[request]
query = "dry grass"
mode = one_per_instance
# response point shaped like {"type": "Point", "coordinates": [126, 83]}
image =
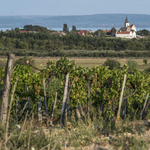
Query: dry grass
{"type": "Point", "coordinates": [82, 135]}
{"type": "Point", "coordinates": [86, 62]}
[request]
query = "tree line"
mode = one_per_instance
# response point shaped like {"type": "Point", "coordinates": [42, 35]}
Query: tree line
{"type": "Point", "coordinates": [45, 41]}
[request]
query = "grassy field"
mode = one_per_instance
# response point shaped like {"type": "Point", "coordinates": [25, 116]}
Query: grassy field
{"type": "Point", "coordinates": [86, 62]}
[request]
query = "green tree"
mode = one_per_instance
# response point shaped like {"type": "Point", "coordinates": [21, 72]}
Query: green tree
{"type": "Point", "coordinates": [145, 61]}
{"type": "Point", "coordinates": [65, 28]}
{"type": "Point", "coordinates": [73, 28]}
{"type": "Point", "coordinates": [132, 64]}
{"type": "Point", "coordinates": [113, 30]}
{"type": "Point", "coordinates": [143, 32]}
{"type": "Point", "coordinates": [147, 70]}
{"type": "Point", "coordinates": [17, 30]}
{"type": "Point", "coordinates": [112, 64]}
{"type": "Point", "coordinates": [99, 33]}
{"type": "Point", "coordinates": [23, 45]}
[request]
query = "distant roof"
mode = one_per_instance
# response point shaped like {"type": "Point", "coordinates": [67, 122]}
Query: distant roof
{"type": "Point", "coordinates": [132, 25]}
{"type": "Point", "coordinates": [80, 33]}
{"type": "Point", "coordinates": [24, 31]}
{"type": "Point", "coordinates": [84, 31]}
{"type": "Point", "coordinates": [122, 28]}
{"type": "Point", "coordinates": [106, 31]}
{"type": "Point", "coordinates": [59, 33]}
{"type": "Point", "coordinates": [123, 32]}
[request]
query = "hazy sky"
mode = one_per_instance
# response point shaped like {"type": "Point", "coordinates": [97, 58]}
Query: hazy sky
{"type": "Point", "coordinates": [73, 7]}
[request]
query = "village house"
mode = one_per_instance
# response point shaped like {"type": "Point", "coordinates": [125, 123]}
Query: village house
{"type": "Point", "coordinates": [80, 33]}
{"type": "Point", "coordinates": [126, 34]}
{"type": "Point", "coordinates": [128, 31]}
{"type": "Point", "coordinates": [83, 32]}
{"type": "Point", "coordinates": [60, 33]}
{"type": "Point", "coordinates": [107, 31]}
{"type": "Point", "coordinates": [28, 31]}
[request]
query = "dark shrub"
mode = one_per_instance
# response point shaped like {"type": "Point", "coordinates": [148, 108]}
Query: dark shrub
{"type": "Point", "coordinates": [132, 64]}
{"type": "Point", "coordinates": [145, 61]}
{"type": "Point", "coordinates": [147, 70]}
{"type": "Point", "coordinates": [112, 64]}
{"type": "Point", "coordinates": [22, 61]}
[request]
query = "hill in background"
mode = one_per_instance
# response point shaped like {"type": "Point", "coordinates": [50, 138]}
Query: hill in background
{"type": "Point", "coordinates": [83, 21]}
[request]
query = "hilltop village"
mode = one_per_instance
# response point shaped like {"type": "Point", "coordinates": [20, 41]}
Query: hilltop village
{"type": "Point", "coordinates": [128, 31]}
{"type": "Point", "coordinates": [36, 40]}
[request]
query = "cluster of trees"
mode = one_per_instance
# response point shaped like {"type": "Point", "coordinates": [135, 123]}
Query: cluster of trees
{"type": "Point", "coordinates": [143, 32]}
{"type": "Point", "coordinates": [32, 28]}
{"type": "Point", "coordinates": [45, 43]}
{"type": "Point", "coordinates": [48, 42]}
{"type": "Point", "coordinates": [112, 63]}
{"type": "Point", "coordinates": [99, 32]}
{"type": "Point", "coordinates": [35, 28]}
{"type": "Point", "coordinates": [76, 53]}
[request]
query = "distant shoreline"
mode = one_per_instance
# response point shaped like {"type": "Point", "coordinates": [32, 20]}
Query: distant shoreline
{"type": "Point", "coordinates": [98, 21]}
{"type": "Point", "coordinates": [93, 29]}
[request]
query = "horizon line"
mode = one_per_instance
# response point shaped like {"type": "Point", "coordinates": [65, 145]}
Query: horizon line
{"type": "Point", "coordinates": [75, 15]}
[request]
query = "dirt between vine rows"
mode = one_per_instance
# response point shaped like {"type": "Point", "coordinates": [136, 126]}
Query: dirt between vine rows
{"type": "Point", "coordinates": [103, 142]}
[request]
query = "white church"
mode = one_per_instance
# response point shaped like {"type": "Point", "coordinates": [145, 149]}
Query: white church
{"type": "Point", "coordinates": [128, 31]}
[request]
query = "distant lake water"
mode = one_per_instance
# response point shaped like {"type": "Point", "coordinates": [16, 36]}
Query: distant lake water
{"type": "Point", "coordinates": [93, 29]}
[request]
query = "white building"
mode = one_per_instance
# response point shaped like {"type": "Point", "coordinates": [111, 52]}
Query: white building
{"type": "Point", "coordinates": [132, 27]}
{"type": "Point", "coordinates": [128, 31]}
{"type": "Point", "coordinates": [126, 34]}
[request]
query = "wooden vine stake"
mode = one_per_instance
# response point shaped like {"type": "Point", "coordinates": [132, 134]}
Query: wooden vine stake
{"type": "Point", "coordinates": [64, 99]}
{"type": "Point", "coordinates": [21, 112]}
{"type": "Point", "coordinates": [88, 99]}
{"type": "Point", "coordinates": [125, 109]}
{"type": "Point", "coordinates": [6, 87]}
{"type": "Point", "coordinates": [39, 110]}
{"type": "Point", "coordinates": [53, 109]}
{"type": "Point", "coordinates": [45, 101]}
{"type": "Point", "coordinates": [121, 97]}
{"type": "Point", "coordinates": [145, 104]}
{"type": "Point", "coordinates": [49, 86]}
{"type": "Point", "coordinates": [28, 99]}
{"type": "Point", "coordinates": [17, 108]}
{"type": "Point", "coordinates": [77, 113]}
{"type": "Point", "coordinates": [9, 111]}
{"type": "Point", "coordinates": [146, 109]}
{"type": "Point", "coordinates": [80, 108]}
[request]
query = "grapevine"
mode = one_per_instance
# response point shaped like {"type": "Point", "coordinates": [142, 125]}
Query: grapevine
{"type": "Point", "coordinates": [105, 86]}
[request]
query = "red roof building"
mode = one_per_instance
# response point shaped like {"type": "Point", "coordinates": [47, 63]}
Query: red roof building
{"type": "Point", "coordinates": [85, 31]}
{"type": "Point", "coordinates": [106, 31]}
{"type": "Point", "coordinates": [123, 32]}
{"type": "Point", "coordinates": [80, 33]}
{"type": "Point", "coordinates": [126, 34]}
{"type": "Point", "coordinates": [24, 31]}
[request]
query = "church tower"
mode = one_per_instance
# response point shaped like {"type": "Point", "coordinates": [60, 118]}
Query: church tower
{"type": "Point", "coordinates": [126, 24]}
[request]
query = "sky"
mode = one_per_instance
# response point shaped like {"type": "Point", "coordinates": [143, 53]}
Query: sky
{"type": "Point", "coordinates": [73, 7]}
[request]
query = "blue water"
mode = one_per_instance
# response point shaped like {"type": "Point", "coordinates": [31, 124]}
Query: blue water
{"type": "Point", "coordinates": [93, 29]}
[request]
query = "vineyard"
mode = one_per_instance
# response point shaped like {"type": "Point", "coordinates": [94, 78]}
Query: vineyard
{"type": "Point", "coordinates": [62, 89]}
